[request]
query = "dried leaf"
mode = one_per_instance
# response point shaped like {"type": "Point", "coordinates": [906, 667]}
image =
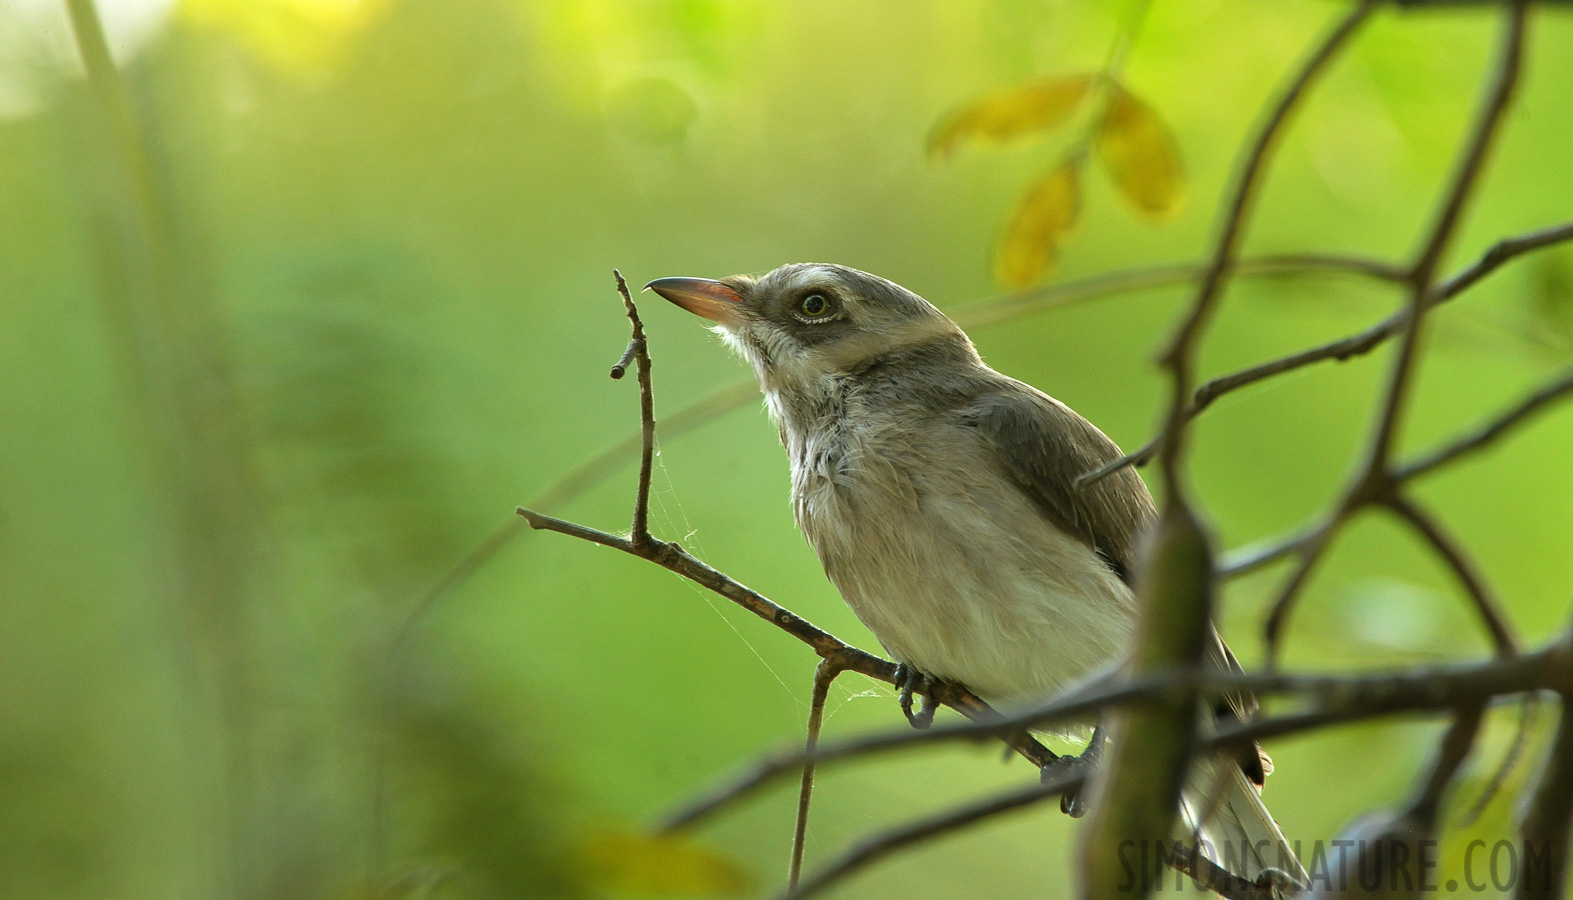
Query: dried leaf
{"type": "Point", "coordinates": [1003, 115]}
{"type": "Point", "coordinates": [1041, 222]}
{"type": "Point", "coordinates": [647, 865]}
{"type": "Point", "coordinates": [1141, 154]}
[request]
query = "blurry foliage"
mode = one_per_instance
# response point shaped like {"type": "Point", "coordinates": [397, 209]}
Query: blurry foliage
{"type": "Point", "coordinates": [392, 223]}
{"type": "Point", "coordinates": [624, 862]}
{"type": "Point", "coordinates": [653, 110]}
{"type": "Point", "coordinates": [469, 809]}
{"type": "Point", "coordinates": [1551, 301]}
{"type": "Point", "coordinates": [302, 38]}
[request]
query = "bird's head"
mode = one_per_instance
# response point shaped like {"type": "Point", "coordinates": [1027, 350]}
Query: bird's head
{"type": "Point", "coordinates": [808, 322]}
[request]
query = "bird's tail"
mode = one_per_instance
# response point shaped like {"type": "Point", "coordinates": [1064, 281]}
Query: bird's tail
{"type": "Point", "coordinates": [1222, 811]}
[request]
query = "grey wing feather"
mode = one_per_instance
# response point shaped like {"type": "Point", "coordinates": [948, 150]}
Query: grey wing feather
{"type": "Point", "coordinates": [1042, 445]}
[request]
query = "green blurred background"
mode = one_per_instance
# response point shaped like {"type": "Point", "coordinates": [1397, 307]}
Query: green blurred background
{"type": "Point", "coordinates": [381, 314]}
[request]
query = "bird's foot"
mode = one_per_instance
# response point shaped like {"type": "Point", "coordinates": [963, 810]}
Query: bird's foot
{"type": "Point", "coordinates": [1073, 802]}
{"type": "Point", "coordinates": [910, 681]}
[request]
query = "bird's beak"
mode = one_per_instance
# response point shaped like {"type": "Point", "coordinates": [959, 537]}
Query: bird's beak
{"type": "Point", "coordinates": [702, 297]}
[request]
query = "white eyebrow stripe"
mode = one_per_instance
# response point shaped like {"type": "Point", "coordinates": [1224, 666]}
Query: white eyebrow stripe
{"type": "Point", "coordinates": [808, 275]}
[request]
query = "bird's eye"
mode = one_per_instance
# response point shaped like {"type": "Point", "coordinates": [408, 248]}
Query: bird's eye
{"type": "Point", "coordinates": [814, 306]}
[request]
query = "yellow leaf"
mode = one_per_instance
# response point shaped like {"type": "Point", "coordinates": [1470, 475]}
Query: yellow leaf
{"type": "Point", "coordinates": [1141, 155]}
{"type": "Point", "coordinates": [1000, 116]}
{"type": "Point", "coordinates": [1041, 222]}
{"type": "Point", "coordinates": [646, 865]}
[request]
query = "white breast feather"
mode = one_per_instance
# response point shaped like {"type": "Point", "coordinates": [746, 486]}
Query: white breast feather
{"type": "Point", "coordinates": [966, 579]}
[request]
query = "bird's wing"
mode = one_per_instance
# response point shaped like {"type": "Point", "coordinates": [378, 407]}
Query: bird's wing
{"type": "Point", "coordinates": [1042, 445]}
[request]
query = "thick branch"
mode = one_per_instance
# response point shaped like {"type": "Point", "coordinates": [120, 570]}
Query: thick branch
{"type": "Point", "coordinates": [1152, 743]}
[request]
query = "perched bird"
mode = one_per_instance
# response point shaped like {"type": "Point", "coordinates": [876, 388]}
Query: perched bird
{"type": "Point", "coordinates": [940, 497]}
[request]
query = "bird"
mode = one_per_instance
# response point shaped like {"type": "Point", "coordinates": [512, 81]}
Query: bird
{"type": "Point", "coordinates": [941, 499]}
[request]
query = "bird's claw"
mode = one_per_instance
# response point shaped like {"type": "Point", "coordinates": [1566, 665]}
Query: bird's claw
{"type": "Point", "coordinates": [908, 682]}
{"type": "Point", "coordinates": [1073, 802]}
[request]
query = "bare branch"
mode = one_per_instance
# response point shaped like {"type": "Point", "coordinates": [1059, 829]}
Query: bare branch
{"type": "Point", "coordinates": [1178, 356]}
{"type": "Point", "coordinates": [824, 676]}
{"type": "Point", "coordinates": [620, 368]}
{"type": "Point", "coordinates": [1330, 698]}
{"type": "Point", "coordinates": [878, 846]}
{"type": "Point", "coordinates": [1555, 390]}
{"type": "Point", "coordinates": [1250, 559]}
{"type": "Point", "coordinates": [639, 349]}
{"type": "Point", "coordinates": [1374, 483]}
{"type": "Point", "coordinates": [1500, 252]}
{"type": "Point", "coordinates": [1485, 602]}
{"type": "Point", "coordinates": [1343, 349]}
{"type": "Point", "coordinates": [1422, 295]}
{"type": "Point", "coordinates": [1152, 743]}
{"type": "Point", "coordinates": [1385, 696]}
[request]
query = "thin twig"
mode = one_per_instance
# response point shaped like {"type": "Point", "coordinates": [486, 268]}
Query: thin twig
{"type": "Point", "coordinates": [1546, 395]}
{"type": "Point", "coordinates": [878, 846]}
{"type": "Point", "coordinates": [1491, 612]}
{"type": "Point", "coordinates": [1343, 349]}
{"type": "Point", "coordinates": [620, 368]}
{"type": "Point", "coordinates": [824, 676]}
{"type": "Point", "coordinates": [1178, 356]}
{"type": "Point", "coordinates": [640, 532]}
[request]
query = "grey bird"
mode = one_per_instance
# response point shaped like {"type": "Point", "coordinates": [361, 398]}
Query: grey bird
{"type": "Point", "coordinates": [940, 497]}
